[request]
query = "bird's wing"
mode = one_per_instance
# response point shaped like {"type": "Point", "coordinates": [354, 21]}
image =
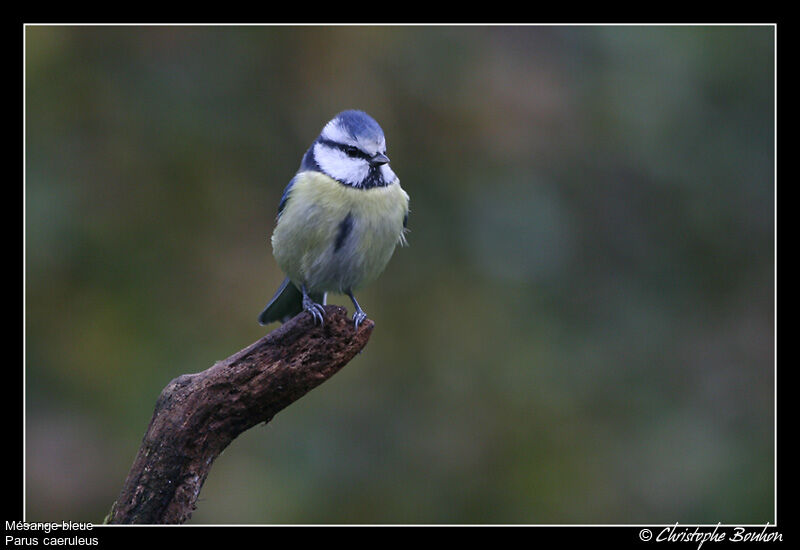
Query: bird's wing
{"type": "Point", "coordinates": [285, 196]}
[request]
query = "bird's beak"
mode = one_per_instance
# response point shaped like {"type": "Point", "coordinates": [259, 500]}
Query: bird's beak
{"type": "Point", "coordinates": [379, 159]}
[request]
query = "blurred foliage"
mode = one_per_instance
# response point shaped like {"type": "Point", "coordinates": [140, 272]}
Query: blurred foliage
{"type": "Point", "coordinates": [581, 330]}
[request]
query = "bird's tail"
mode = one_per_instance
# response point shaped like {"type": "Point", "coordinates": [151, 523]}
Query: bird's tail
{"type": "Point", "coordinates": [287, 302]}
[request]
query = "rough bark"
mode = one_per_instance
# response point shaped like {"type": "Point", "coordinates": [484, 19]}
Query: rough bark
{"type": "Point", "coordinates": [198, 415]}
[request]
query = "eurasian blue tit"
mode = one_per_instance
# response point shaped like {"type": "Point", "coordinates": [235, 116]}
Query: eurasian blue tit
{"type": "Point", "coordinates": [339, 219]}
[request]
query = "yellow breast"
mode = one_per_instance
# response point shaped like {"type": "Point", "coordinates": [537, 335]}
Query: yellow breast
{"type": "Point", "coordinates": [312, 246]}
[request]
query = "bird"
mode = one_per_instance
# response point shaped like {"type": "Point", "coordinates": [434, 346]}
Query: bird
{"type": "Point", "coordinates": [339, 219]}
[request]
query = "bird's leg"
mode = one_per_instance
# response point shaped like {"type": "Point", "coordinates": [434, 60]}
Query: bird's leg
{"type": "Point", "coordinates": [316, 310]}
{"type": "Point", "coordinates": [359, 315]}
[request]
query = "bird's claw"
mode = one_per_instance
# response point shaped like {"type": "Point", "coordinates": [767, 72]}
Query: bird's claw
{"type": "Point", "coordinates": [358, 318]}
{"type": "Point", "coordinates": [316, 310]}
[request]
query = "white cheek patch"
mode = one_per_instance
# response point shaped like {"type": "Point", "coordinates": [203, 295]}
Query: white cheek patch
{"type": "Point", "coordinates": [387, 174]}
{"type": "Point", "coordinates": [339, 166]}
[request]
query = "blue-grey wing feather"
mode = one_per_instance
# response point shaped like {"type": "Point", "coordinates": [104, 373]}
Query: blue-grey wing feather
{"type": "Point", "coordinates": [308, 163]}
{"type": "Point", "coordinates": [285, 196]}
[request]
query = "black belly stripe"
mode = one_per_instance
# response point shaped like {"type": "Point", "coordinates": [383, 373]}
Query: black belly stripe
{"type": "Point", "coordinates": [345, 227]}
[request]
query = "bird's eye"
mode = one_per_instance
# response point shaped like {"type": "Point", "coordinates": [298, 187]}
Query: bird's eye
{"type": "Point", "coordinates": [352, 151]}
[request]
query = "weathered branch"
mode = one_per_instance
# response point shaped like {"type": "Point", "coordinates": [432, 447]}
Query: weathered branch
{"type": "Point", "coordinates": [198, 415]}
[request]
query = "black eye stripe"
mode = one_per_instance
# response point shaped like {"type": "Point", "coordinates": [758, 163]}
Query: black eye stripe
{"type": "Point", "coordinates": [349, 150]}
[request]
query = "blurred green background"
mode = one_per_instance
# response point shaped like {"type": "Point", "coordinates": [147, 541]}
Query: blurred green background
{"type": "Point", "coordinates": [581, 330]}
